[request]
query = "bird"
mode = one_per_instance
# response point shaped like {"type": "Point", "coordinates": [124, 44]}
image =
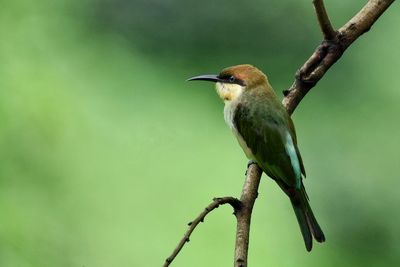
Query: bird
{"type": "Point", "coordinates": [267, 136]}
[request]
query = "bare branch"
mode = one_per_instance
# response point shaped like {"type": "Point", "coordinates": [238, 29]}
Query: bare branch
{"type": "Point", "coordinates": [243, 215]}
{"type": "Point", "coordinates": [323, 20]}
{"type": "Point", "coordinates": [234, 202]}
{"type": "Point", "coordinates": [329, 51]}
{"type": "Point", "coordinates": [326, 54]}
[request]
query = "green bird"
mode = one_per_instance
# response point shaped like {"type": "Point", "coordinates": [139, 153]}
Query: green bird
{"type": "Point", "coordinates": [267, 136]}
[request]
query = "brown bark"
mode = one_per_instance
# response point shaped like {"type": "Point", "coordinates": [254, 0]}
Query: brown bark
{"type": "Point", "coordinates": [326, 54]}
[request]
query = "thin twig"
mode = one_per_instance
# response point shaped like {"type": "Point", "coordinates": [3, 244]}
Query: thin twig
{"type": "Point", "coordinates": [234, 202]}
{"type": "Point", "coordinates": [323, 20]}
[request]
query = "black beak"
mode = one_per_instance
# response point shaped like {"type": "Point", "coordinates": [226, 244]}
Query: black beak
{"type": "Point", "coordinates": [210, 78]}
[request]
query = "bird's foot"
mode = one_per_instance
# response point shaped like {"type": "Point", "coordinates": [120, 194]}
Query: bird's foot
{"type": "Point", "coordinates": [251, 162]}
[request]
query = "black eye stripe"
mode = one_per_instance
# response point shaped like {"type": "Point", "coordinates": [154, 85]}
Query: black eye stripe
{"type": "Point", "coordinates": [231, 79]}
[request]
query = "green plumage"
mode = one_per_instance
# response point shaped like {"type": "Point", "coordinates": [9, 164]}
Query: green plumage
{"type": "Point", "coordinates": [266, 127]}
{"type": "Point", "coordinates": [266, 133]}
{"type": "Point", "coordinates": [264, 124]}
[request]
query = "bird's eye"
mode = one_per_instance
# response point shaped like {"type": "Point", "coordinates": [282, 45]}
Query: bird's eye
{"type": "Point", "coordinates": [232, 79]}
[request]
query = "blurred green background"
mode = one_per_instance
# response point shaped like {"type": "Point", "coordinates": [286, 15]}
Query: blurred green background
{"type": "Point", "coordinates": [107, 153]}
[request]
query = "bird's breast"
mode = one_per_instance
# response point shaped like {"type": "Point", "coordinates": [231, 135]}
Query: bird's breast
{"type": "Point", "coordinates": [229, 115]}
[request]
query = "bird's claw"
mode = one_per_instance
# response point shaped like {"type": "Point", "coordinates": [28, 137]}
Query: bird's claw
{"type": "Point", "coordinates": [251, 162]}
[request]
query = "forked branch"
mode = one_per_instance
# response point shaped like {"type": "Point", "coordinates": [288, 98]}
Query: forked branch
{"type": "Point", "coordinates": [326, 54]}
{"type": "Point", "coordinates": [323, 20]}
{"type": "Point", "coordinates": [330, 50]}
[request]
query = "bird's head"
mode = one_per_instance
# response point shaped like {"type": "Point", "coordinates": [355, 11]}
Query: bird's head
{"type": "Point", "coordinates": [233, 81]}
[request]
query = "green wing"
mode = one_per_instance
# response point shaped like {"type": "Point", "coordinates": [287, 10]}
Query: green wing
{"type": "Point", "coordinates": [293, 133]}
{"type": "Point", "coordinates": [269, 133]}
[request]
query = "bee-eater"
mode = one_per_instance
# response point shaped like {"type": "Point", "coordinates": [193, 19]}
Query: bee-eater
{"type": "Point", "coordinates": [267, 136]}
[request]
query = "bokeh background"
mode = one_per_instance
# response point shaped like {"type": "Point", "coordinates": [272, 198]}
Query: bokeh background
{"type": "Point", "coordinates": [106, 152]}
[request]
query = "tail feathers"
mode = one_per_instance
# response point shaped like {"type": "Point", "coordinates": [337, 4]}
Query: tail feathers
{"type": "Point", "coordinates": [308, 224]}
{"type": "Point", "coordinates": [304, 226]}
{"type": "Point", "coordinates": [314, 226]}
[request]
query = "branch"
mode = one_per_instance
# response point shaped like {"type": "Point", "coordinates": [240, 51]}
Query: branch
{"type": "Point", "coordinates": [326, 54]}
{"type": "Point", "coordinates": [330, 50]}
{"type": "Point", "coordinates": [234, 202]}
{"type": "Point", "coordinates": [323, 20]}
{"type": "Point", "coordinates": [243, 215]}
